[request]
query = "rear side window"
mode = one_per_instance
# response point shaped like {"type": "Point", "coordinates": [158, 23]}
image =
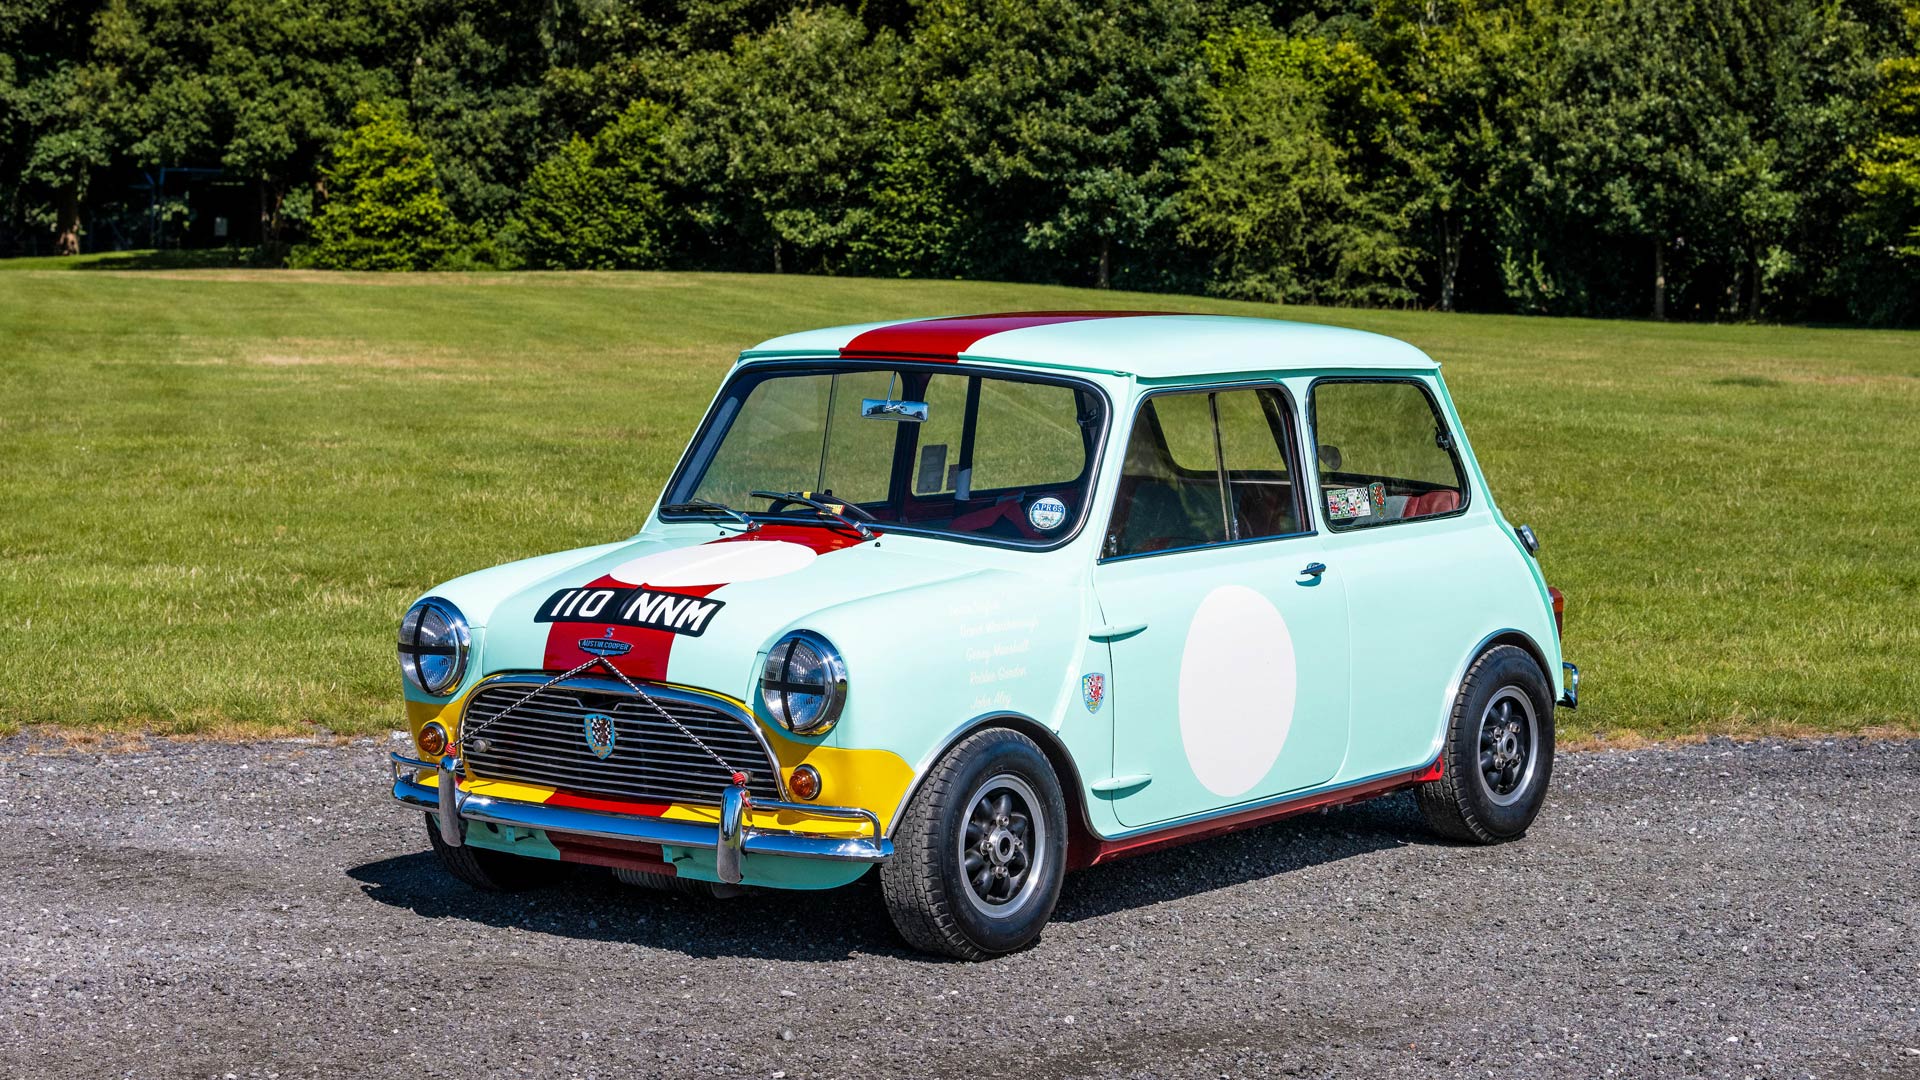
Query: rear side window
{"type": "Point", "coordinates": [1205, 467]}
{"type": "Point", "coordinates": [1385, 454]}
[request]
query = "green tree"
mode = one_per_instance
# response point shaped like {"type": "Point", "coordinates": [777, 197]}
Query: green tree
{"type": "Point", "coordinates": [1685, 158]}
{"type": "Point", "coordinates": [57, 112]}
{"type": "Point", "coordinates": [1801, 77]}
{"type": "Point", "coordinates": [1626, 146]}
{"type": "Point", "coordinates": [1461, 68]}
{"type": "Point", "coordinates": [475, 94]}
{"type": "Point", "coordinates": [1889, 164]}
{"type": "Point", "coordinates": [779, 137]}
{"type": "Point", "coordinates": [259, 88]}
{"type": "Point", "coordinates": [383, 209]}
{"type": "Point", "coordinates": [1074, 121]}
{"type": "Point", "coordinates": [915, 217]}
{"type": "Point", "coordinates": [291, 77]}
{"type": "Point", "coordinates": [597, 204]}
{"type": "Point", "coordinates": [1282, 195]}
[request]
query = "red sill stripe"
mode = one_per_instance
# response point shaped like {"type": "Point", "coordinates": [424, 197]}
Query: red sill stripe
{"type": "Point", "coordinates": [1108, 850]}
{"type": "Point", "coordinates": [946, 339]}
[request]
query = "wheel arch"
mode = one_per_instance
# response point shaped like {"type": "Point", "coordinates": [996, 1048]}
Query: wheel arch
{"type": "Point", "coordinates": [1081, 839]}
{"type": "Point", "coordinates": [1506, 636]}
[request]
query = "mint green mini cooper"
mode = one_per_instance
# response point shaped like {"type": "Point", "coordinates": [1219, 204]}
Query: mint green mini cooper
{"type": "Point", "coordinates": [980, 600]}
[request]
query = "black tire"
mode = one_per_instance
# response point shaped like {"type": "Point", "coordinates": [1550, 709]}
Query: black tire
{"type": "Point", "coordinates": [932, 897]}
{"type": "Point", "coordinates": [1490, 789]}
{"type": "Point", "coordinates": [492, 871]}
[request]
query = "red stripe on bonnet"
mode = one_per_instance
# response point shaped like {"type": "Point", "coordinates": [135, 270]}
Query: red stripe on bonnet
{"type": "Point", "coordinates": [653, 649]}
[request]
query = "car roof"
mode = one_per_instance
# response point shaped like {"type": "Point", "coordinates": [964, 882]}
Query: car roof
{"type": "Point", "coordinates": [1146, 344]}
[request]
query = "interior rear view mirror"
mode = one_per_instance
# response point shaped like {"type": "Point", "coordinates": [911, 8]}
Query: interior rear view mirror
{"type": "Point", "coordinates": [914, 412]}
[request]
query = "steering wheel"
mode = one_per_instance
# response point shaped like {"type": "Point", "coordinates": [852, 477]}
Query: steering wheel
{"type": "Point", "coordinates": [776, 503]}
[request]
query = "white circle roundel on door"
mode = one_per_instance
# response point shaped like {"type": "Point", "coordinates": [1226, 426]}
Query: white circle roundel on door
{"type": "Point", "coordinates": [1237, 687]}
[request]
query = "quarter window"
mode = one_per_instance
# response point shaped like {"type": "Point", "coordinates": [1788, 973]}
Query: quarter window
{"type": "Point", "coordinates": [1385, 454]}
{"type": "Point", "coordinates": [1205, 468]}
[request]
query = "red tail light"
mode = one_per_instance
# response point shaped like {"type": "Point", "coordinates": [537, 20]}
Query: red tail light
{"type": "Point", "coordinates": [1559, 611]}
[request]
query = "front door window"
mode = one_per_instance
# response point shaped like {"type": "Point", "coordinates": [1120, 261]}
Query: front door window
{"type": "Point", "coordinates": [1205, 467]}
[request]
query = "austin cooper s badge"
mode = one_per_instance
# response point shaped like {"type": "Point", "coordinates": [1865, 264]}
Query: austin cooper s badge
{"type": "Point", "coordinates": [605, 646]}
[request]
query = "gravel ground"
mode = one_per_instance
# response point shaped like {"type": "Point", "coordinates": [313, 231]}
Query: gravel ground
{"type": "Point", "coordinates": [197, 909]}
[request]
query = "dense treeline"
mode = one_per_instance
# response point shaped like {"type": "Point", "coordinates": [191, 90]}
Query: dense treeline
{"type": "Point", "coordinates": [1710, 159]}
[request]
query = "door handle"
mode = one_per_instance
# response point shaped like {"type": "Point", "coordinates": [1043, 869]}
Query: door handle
{"type": "Point", "coordinates": [1314, 569]}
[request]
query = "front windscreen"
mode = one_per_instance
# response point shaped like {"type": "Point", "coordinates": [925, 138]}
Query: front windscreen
{"type": "Point", "coordinates": [953, 451]}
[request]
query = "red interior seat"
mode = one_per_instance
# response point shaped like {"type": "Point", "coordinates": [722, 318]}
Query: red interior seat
{"type": "Point", "coordinates": [1444, 501]}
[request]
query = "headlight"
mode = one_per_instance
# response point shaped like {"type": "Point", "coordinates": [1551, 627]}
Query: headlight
{"type": "Point", "coordinates": [805, 683]}
{"type": "Point", "coordinates": [433, 646]}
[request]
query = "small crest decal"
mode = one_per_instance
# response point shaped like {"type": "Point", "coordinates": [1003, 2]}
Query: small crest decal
{"type": "Point", "coordinates": [605, 646]}
{"type": "Point", "coordinates": [1093, 690]}
{"type": "Point", "coordinates": [598, 728]}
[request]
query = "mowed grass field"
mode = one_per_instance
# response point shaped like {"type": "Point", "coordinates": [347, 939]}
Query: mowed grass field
{"type": "Point", "coordinates": [219, 489]}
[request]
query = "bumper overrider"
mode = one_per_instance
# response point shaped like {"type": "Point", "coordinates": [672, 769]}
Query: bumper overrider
{"type": "Point", "coordinates": [734, 839]}
{"type": "Point", "coordinates": [1570, 698]}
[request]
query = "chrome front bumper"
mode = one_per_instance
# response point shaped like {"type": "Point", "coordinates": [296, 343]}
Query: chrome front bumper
{"type": "Point", "coordinates": [729, 842]}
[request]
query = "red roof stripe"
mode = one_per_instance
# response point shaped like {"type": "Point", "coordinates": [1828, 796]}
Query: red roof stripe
{"type": "Point", "coordinates": [946, 339]}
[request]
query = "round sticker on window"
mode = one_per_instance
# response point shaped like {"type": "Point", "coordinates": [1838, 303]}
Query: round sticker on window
{"type": "Point", "coordinates": [1047, 514]}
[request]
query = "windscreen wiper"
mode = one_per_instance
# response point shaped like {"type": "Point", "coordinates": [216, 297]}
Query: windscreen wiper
{"type": "Point", "coordinates": [833, 510]}
{"type": "Point", "coordinates": [697, 506]}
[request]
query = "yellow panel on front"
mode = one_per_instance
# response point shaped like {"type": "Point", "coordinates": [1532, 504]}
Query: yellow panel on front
{"type": "Point", "coordinates": [872, 779]}
{"type": "Point", "coordinates": [419, 713]}
{"type": "Point", "coordinates": [497, 789]}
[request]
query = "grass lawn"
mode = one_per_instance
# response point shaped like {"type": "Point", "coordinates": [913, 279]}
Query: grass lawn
{"type": "Point", "coordinates": [219, 488]}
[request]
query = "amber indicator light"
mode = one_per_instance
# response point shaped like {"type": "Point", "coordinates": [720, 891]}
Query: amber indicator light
{"type": "Point", "coordinates": [805, 783]}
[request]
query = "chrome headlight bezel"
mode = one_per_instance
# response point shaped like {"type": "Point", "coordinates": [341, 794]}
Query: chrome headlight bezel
{"type": "Point", "coordinates": [824, 672]}
{"type": "Point", "coordinates": [419, 639]}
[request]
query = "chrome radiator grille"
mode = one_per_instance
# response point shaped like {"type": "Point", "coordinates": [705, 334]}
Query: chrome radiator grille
{"type": "Point", "coordinates": [544, 742]}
